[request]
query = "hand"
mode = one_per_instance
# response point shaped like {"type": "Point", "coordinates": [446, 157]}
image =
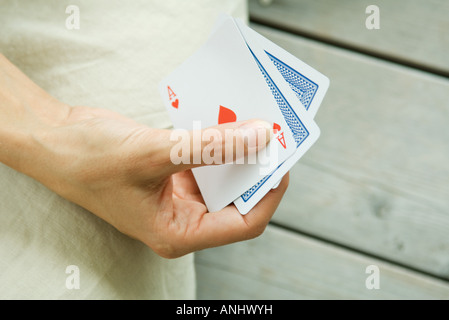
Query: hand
{"type": "Point", "coordinates": [122, 172]}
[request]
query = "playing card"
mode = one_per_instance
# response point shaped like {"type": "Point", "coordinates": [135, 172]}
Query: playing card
{"type": "Point", "coordinates": [222, 83]}
{"type": "Point", "coordinates": [309, 85]}
{"type": "Point", "coordinates": [305, 85]}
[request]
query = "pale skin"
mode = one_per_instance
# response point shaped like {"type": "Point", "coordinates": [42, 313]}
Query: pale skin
{"type": "Point", "coordinates": [118, 169]}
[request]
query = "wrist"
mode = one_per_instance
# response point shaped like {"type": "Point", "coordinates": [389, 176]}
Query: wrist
{"type": "Point", "coordinates": [24, 141]}
{"type": "Point", "coordinates": [26, 110]}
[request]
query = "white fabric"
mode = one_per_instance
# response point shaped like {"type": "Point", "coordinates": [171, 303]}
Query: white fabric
{"type": "Point", "coordinates": [115, 61]}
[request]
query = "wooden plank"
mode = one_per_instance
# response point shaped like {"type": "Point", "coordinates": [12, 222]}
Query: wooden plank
{"type": "Point", "coordinates": [283, 265]}
{"type": "Point", "coordinates": [415, 31]}
{"type": "Point", "coordinates": [378, 177]}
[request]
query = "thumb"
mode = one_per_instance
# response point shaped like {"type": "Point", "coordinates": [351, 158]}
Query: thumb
{"type": "Point", "coordinates": [221, 144]}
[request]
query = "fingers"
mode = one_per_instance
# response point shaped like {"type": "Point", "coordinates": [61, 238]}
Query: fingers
{"type": "Point", "coordinates": [187, 188]}
{"type": "Point", "coordinates": [191, 229]}
{"type": "Point", "coordinates": [216, 145]}
{"type": "Point", "coordinates": [228, 225]}
{"type": "Point", "coordinates": [258, 217]}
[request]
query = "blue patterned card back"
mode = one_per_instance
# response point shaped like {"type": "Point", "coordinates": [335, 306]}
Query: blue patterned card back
{"type": "Point", "coordinates": [304, 88]}
{"type": "Point", "coordinates": [300, 132]}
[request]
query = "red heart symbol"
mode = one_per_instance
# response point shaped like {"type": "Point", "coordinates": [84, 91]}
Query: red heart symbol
{"type": "Point", "coordinates": [175, 104]}
{"type": "Point", "coordinates": [276, 127]}
{"type": "Point", "coordinates": [226, 115]}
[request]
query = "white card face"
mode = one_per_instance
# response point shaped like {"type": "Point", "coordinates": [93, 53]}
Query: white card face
{"type": "Point", "coordinates": [289, 81]}
{"type": "Point", "coordinates": [223, 75]}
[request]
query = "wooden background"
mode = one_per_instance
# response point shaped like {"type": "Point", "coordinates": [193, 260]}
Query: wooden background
{"type": "Point", "coordinates": [374, 189]}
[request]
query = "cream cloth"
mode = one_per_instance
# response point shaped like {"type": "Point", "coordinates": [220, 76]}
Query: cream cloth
{"type": "Point", "coordinates": [115, 61]}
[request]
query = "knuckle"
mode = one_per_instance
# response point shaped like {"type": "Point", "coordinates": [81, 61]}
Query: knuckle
{"type": "Point", "coordinates": [214, 146]}
{"type": "Point", "coordinates": [257, 230]}
{"type": "Point", "coordinates": [166, 250]}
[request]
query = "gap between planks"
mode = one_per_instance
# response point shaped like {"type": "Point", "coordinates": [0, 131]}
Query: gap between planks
{"type": "Point", "coordinates": [350, 47]}
{"type": "Point", "coordinates": [295, 230]}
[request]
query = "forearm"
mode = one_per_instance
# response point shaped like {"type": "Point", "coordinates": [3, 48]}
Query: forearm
{"type": "Point", "coordinates": [25, 112]}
